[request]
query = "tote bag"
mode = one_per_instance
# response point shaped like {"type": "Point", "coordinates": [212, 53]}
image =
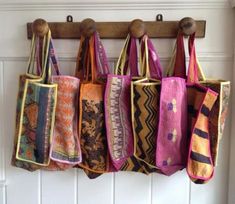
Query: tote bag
{"type": "Point", "coordinates": [30, 74]}
{"type": "Point", "coordinates": [65, 143]}
{"type": "Point", "coordinates": [145, 94]}
{"type": "Point", "coordinates": [117, 106]}
{"type": "Point", "coordinates": [219, 111]}
{"type": "Point", "coordinates": [37, 117]}
{"type": "Point", "coordinates": [200, 102]}
{"type": "Point", "coordinates": [92, 134]}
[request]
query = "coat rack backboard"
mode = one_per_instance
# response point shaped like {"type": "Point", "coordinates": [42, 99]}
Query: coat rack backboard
{"type": "Point", "coordinates": [118, 30]}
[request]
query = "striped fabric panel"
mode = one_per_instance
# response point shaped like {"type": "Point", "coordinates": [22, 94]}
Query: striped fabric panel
{"type": "Point", "coordinates": [200, 165]}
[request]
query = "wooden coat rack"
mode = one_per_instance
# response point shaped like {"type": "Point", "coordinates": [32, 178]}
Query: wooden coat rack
{"type": "Point", "coordinates": [117, 30]}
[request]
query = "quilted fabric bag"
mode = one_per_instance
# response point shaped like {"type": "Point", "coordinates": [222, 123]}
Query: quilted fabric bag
{"type": "Point", "coordinates": [37, 116]}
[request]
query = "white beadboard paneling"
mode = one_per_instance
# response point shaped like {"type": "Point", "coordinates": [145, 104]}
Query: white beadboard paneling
{"type": "Point", "coordinates": [59, 187]}
{"type": "Point", "coordinates": [174, 189]}
{"type": "Point", "coordinates": [23, 186]}
{"type": "Point", "coordinates": [2, 195]}
{"type": "Point", "coordinates": [2, 168]}
{"type": "Point", "coordinates": [98, 191]}
{"type": "Point", "coordinates": [2, 192]}
{"type": "Point", "coordinates": [131, 187]}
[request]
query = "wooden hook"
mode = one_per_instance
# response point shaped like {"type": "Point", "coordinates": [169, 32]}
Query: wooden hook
{"type": "Point", "coordinates": [137, 28]}
{"type": "Point", "coordinates": [188, 26]}
{"type": "Point", "coordinates": [87, 27]}
{"type": "Point", "coordinates": [40, 27]}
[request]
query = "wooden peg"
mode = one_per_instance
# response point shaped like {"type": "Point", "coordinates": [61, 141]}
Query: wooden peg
{"type": "Point", "coordinates": [137, 28]}
{"type": "Point", "coordinates": [188, 26]}
{"type": "Point", "coordinates": [40, 27]}
{"type": "Point", "coordinates": [87, 27]}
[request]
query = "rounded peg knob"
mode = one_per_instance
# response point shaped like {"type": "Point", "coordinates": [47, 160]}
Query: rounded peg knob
{"type": "Point", "coordinates": [40, 27]}
{"type": "Point", "coordinates": [137, 28]}
{"type": "Point", "coordinates": [87, 27]}
{"type": "Point", "coordinates": [188, 26]}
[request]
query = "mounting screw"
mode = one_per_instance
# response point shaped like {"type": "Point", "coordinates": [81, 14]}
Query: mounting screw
{"type": "Point", "coordinates": [69, 18]}
{"type": "Point", "coordinates": [159, 17]}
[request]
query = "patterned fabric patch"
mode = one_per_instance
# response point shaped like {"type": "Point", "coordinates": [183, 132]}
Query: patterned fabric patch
{"type": "Point", "coordinates": [118, 119]}
{"type": "Point", "coordinates": [92, 129]}
{"type": "Point", "coordinates": [66, 145]}
{"type": "Point", "coordinates": [37, 124]}
{"type": "Point", "coordinates": [15, 162]}
{"type": "Point", "coordinates": [145, 118]}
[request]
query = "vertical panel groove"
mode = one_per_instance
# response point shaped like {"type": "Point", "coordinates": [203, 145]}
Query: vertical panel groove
{"type": "Point", "coordinates": [39, 187]}
{"type": "Point", "coordinates": [189, 196]}
{"type": "Point", "coordinates": [76, 187]}
{"type": "Point", "coordinates": [151, 188]}
{"type": "Point", "coordinates": [113, 191]}
{"type": "Point", "coordinates": [2, 123]}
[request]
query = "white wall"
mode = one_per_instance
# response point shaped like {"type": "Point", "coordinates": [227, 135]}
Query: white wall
{"type": "Point", "coordinates": [215, 53]}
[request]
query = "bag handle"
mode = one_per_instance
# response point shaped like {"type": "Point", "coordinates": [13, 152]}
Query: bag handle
{"type": "Point", "coordinates": [34, 52]}
{"type": "Point", "coordinates": [128, 58]}
{"type": "Point", "coordinates": [149, 60]}
{"type": "Point", "coordinates": [92, 59]}
{"type": "Point", "coordinates": [154, 61]}
{"type": "Point", "coordinates": [198, 70]}
{"type": "Point", "coordinates": [177, 65]}
{"type": "Point", "coordinates": [52, 58]}
{"type": "Point", "coordinates": [82, 57]}
{"type": "Point", "coordinates": [144, 58]}
{"type": "Point", "coordinates": [100, 57]}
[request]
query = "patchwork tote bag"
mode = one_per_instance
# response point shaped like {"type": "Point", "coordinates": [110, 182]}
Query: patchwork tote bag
{"type": "Point", "coordinates": [200, 102]}
{"type": "Point", "coordinates": [31, 73]}
{"type": "Point", "coordinates": [145, 95]}
{"type": "Point", "coordinates": [37, 116]}
{"type": "Point", "coordinates": [92, 133]}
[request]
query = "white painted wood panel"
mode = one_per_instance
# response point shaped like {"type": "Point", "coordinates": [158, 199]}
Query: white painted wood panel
{"type": "Point", "coordinates": [231, 193]}
{"type": "Point", "coordinates": [99, 190]}
{"type": "Point", "coordinates": [73, 187]}
{"type": "Point", "coordinates": [174, 189]}
{"type": "Point", "coordinates": [131, 187]}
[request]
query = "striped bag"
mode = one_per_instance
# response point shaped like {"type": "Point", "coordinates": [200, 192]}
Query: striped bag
{"type": "Point", "coordinates": [219, 110]}
{"type": "Point", "coordinates": [200, 102]}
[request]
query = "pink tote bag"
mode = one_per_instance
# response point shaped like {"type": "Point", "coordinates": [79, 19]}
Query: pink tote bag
{"type": "Point", "coordinates": [171, 149]}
